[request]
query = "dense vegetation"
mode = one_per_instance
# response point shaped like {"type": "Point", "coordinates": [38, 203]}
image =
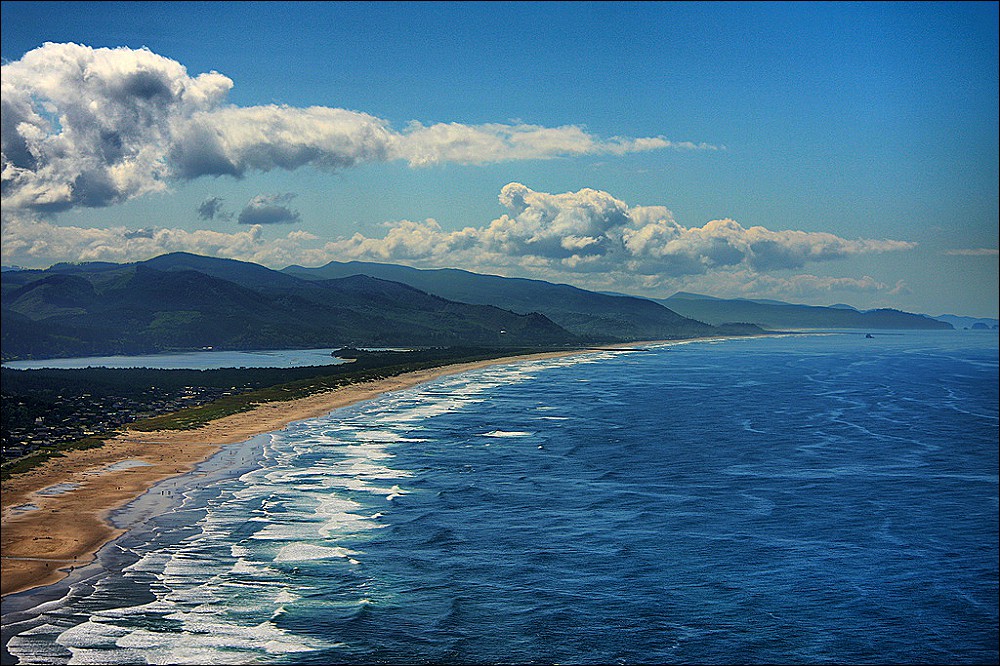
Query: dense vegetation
{"type": "Point", "coordinates": [184, 302]}
{"type": "Point", "coordinates": [590, 315]}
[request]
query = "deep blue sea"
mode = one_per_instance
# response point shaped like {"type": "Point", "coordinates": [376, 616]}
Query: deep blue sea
{"type": "Point", "coordinates": [801, 499]}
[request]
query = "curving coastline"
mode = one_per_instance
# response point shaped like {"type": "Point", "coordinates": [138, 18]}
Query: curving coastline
{"type": "Point", "coordinates": [55, 517]}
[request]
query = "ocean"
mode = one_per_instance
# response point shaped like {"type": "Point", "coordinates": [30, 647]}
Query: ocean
{"type": "Point", "coordinates": [797, 499]}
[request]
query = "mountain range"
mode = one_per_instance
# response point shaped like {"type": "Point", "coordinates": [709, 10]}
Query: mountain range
{"type": "Point", "coordinates": [622, 316]}
{"type": "Point", "coordinates": [973, 323]}
{"type": "Point", "coordinates": [587, 314]}
{"type": "Point", "coordinates": [185, 301]}
{"type": "Point", "coordinates": [771, 314]}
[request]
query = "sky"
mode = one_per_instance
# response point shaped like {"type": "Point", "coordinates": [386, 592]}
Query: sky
{"type": "Point", "coordinates": [814, 153]}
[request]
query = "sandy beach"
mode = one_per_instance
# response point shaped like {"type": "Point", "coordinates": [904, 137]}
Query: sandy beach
{"type": "Point", "coordinates": [55, 517]}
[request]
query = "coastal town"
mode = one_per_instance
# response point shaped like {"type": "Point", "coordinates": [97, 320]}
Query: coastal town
{"type": "Point", "coordinates": [30, 423]}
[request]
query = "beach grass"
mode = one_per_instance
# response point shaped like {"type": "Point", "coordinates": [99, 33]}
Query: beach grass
{"type": "Point", "coordinates": [45, 453]}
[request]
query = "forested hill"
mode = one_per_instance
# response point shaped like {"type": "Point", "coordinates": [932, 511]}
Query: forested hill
{"type": "Point", "coordinates": [588, 314]}
{"type": "Point", "coordinates": [183, 301]}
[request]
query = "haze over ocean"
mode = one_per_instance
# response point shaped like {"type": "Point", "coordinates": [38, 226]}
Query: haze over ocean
{"type": "Point", "coordinates": [800, 499]}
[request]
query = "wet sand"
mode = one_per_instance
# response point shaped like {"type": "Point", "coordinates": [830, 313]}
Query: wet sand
{"type": "Point", "coordinates": [56, 517]}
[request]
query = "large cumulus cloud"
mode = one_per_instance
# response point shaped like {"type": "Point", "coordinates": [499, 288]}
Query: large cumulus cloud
{"type": "Point", "coordinates": [591, 231]}
{"type": "Point", "coordinates": [94, 127]}
{"type": "Point", "coordinates": [89, 127]}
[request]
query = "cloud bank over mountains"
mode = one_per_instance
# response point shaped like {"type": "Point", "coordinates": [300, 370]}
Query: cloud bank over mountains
{"type": "Point", "coordinates": [86, 127]}
{"type": "Point", "coordinates": [589, 234]}
{"type": "Point", "coordinates": [95, 127]}
{"type": "Point", "coordinates": [591, 231]}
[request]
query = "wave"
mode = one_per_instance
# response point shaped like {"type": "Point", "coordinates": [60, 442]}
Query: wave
{"type": "Point", "coordinates": [507, 433]}
{"type": "Point", "coordinates": [300, 552]}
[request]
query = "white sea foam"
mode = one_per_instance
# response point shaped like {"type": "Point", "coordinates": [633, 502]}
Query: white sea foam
{"type": "Point", "coordinates": [151, 562]}
{"type": "Point", "coordinates": [507, 433]}
{"type": "Point", "coordinates": [363, 469]}
{"type": "Point", "coordinates": [381, 436]}
{"type": "Point", "coordinates": [286, 597]}
{"type": "Point", "coordinates": [299, 552]}
{"type": "Point", "coordinates": [247, 567]}
{"type": "Point", "coordinates": [211, 642]}
{"type": "Point", "coordinates": [204, 581]}
{"type": "Point", "coordinates": [366, 451]}
{"type": "Point", "coordinates": [158, 607]}
{"type": "Point", "coordinates": [92, 633]}
{"type": "Point", "coordinates": [98, 657]}
{"type": "Point", "coordinates": [285, 532]}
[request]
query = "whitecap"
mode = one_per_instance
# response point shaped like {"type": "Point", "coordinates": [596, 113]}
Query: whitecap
{"type": "Point", "coordinates": [158, 607]}
{"type": "Point", "coordinates": [91, 634]}
{"type": "Point", "coordinates": [507, 433]}
{"type": "Point", "coordinates": [284, 597]}
{"type": "Point", "coordinates": [213, 642]}
{"type": "Point", "coordinates": [243, 566]}
{"type": "Point", "coordinates": [99, 657]}
{"type": "Point", "coordinates": [284, 532]}
{"type": "Point", "coordinates": [300, 552]}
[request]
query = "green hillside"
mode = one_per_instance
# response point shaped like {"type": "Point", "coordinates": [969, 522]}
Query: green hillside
{"type": "Point", "coordinates": [187, 302]}
{"type": "Point", "coordinates": [588, 314]}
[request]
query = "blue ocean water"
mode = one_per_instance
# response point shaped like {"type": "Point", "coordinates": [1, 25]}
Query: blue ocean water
{"type": "Point", "coordinates": [801, 499]}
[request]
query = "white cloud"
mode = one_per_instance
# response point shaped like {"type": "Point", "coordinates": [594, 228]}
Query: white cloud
{"type": "Point", "coordinates": [95, 127]}
{"type": "Point", "coordinates": [233, 141]}
{"type": "Point", "coordinates": [39, 242]}
{"type": "Point", "coordinates": [591, 231]}
{"type": "Point", "coordinates": [89, 127]}
{"type": "Point", "coordinates": [453, 142]}
{"type": "Point", "coordinates": [974, 252]}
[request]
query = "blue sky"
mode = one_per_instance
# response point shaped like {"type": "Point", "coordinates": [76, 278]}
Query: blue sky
{"type": "Point", "coordinates": [811, 152]}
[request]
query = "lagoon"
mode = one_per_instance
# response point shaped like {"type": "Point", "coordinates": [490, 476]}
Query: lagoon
{"type": "Point", "coordinates": [193, 360]}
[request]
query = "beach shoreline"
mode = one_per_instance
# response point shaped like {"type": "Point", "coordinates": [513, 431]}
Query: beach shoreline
{"type": "Point", "coordinates": [57, 516]}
